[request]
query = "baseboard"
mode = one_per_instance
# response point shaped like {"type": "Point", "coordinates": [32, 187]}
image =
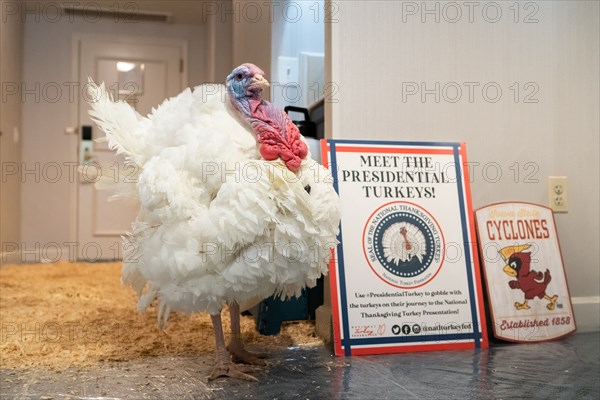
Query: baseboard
{"type": "Point", "coordinates": [587, 313]}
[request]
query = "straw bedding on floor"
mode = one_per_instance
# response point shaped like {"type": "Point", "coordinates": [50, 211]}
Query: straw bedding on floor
{"type": "Point", "coordinates": [78, 314]}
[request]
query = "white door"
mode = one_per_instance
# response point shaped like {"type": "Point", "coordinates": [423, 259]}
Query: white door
{"type": "Point", "coordinates": [142, 73]}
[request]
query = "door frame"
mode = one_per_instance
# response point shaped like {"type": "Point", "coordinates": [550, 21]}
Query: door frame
{"type": "Point", "coordinates": [76, 40]}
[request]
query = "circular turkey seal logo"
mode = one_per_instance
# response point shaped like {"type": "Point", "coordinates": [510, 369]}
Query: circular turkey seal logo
{"type": "Point", "coordinates": [403, 244]}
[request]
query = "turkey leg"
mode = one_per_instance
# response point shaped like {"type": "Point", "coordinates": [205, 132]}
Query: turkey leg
{"type": "Point", "coordinates": [223, 364]}
{"type": "Point", "coordinates": [236, 346]}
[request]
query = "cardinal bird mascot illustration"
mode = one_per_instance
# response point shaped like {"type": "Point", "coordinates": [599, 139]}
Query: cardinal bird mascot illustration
{"type": "Point", "coordinates": [532, 283]}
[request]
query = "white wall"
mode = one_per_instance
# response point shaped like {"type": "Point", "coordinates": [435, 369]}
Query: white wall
{"type": "Point", "coordinates": [45, 213]}
{"type": "Point", "coordinates": [11, 41]}
{"type": "Point", "coordinates": [380, 47]}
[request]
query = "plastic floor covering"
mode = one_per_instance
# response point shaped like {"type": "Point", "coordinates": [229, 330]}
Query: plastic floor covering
{"type": "Point", "coordinates": [566, 369]}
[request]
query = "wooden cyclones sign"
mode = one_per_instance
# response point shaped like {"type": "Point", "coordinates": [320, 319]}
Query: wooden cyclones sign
{"type": "Point", "coordinates": [405, 276]}
{"type": "Point", "coordinates": [527, 287]}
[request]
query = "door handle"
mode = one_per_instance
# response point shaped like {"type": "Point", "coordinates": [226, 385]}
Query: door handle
{"type": "Point", "coordinates": [86, 146]}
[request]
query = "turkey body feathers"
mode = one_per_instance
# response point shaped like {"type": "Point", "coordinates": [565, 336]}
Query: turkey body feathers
{"type": "Point", "coordinates": [217, 223]}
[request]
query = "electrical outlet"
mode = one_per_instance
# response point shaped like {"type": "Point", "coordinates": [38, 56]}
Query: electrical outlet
{"type": "Point", "coordinates": [558, 194]}
{"type": "Point", "coordinates": [287, 70]}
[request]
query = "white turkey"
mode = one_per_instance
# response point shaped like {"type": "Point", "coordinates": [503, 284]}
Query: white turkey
{"type": "Point", "coordinates": [233, 208]}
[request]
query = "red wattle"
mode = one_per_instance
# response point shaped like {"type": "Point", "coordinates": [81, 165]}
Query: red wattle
{"type": "Point", "coordinates": [286, 145]}
{"type": "Point", "coordinates": [269, 152]}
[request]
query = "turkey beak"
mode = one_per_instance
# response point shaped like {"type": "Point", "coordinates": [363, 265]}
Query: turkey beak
{"type": "Point", "coordinates": [259, 82]}
{"type": "Point", "coordinates": [509, 271]}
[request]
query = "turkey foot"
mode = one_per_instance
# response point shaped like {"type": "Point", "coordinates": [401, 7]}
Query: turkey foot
{"type": "Point", "coordinates": [240, 354]}
{"type": "Point", "coordinates": [223, 364]}
{"type": "Point", "coordinates": [236, 346]}
{"type": "Point", "coordinates": [550, 306]}
{"type": "Point", "coordinates": [229, 369]}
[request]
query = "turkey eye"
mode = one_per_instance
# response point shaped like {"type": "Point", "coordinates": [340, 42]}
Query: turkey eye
{"type": "Point", "coordinates": [513, 265]}
{"type": "Point", "coordinates": [239, 77]}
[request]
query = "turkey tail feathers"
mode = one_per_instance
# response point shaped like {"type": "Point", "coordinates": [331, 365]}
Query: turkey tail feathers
{"type": "Point", "coordinates": [118, 121]}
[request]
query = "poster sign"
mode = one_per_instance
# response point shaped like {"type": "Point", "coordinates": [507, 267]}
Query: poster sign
{"type": "Point", "coordinates": [405, 275]}
{"type": "Point", "coordinates": [528, 293]}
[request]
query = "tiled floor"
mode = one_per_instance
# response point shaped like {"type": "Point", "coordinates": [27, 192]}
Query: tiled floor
{"type": "Point", "coordinates": [567, 369]}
